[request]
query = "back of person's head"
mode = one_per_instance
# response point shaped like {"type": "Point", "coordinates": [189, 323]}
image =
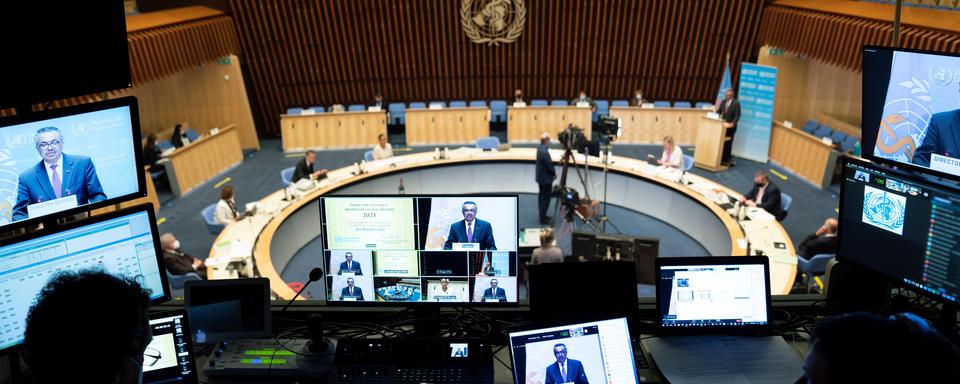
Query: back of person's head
{"type": "Point", "coordinates": [151, 141]}
{"type": "Point", "coordinates": [866, 348]}
{"type": "Point", "coordinates": [226, 193]}
{"type": "Point", "coordinates": [546, 237]}
{"type": "Point", "coordinates": [176, 129]}
{"type": "Point", "coordinates": [87, 327]}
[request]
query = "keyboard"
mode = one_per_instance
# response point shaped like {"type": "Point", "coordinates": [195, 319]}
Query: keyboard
{"type": "Point", "coordinates": [372, 361]}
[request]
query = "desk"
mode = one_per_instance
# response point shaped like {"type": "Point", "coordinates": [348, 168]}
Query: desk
{"type": "Point", "coordinates": [632, 183]}
{"type": "Point", "coordinates": [803, 154]}
{"type": "Point", "coordinates": [447, 126]}
{"type": "Point", "coordinates": [359, 129]}
{"type": "Point", "coordinates": [190, 166]}
{"type": "Point", "coordinates": [650, 125]}
{"type": "Point", "coordinates": [525, 124]}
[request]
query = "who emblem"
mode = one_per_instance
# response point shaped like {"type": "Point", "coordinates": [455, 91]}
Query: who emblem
{"type": "Point", "coordinates": [493, 21]}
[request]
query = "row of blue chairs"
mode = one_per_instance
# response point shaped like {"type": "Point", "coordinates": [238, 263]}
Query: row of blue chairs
{"type": "Point", "coordinates": [164, 145]}
{"type": "Point", "coordinates": [842, 139]}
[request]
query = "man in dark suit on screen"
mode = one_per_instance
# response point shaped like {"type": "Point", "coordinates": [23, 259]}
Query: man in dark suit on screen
{"type": "Point", "coordinates": [57, 175]}
{"type": "Point", "coordinates": [350, 266]}
{"type": "Point", "coordinates": [494, 293]}
{"type": "Point", "coordinates": [729, 110]}
{"type": "Point", "coordinates": [546, 173]}
{"type": "Point", "coordinates": [471, 230]}
{"type": "Point", "coordinates": [764, 194]}
{"type": "Point", "coordinates": [351, 291]}
{"type": "Point", "coordinates": [565, 370]}
{"type": "Point", "coordinates": [942, 138]}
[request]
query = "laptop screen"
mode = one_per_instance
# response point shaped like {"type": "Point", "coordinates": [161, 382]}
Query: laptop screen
{"type": "Point", "coordinates": [169, 357]}
{"type": "Point", "coordinates": [594, 352]}
{"type": "Point", "coordinates": [713, 295]}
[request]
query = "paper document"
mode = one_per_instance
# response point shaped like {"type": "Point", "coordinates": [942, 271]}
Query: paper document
{"type": "Point", "coordinates": [726, 359]}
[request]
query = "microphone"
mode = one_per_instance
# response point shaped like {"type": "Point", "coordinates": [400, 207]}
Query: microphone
{"type": "Point", "coordinates": [315, 274]}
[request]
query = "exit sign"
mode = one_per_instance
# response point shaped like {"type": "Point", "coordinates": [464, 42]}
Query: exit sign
{"type": "Point", "coordinates": [224, 60]}
{"type": "Point", "coordinates": [775, 51]}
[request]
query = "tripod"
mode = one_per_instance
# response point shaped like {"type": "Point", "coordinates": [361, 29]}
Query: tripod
{"type": "Point", "coordinates": [605, 148]}
{"type": "Point", "coordinates": [568, 199]}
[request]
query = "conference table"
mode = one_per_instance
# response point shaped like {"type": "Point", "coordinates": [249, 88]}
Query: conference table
{"type": "Point", "coordinates": [447, 125]}
{"type": "Point", "coordinates": [525, 124]}
{"type": "Point", "coordinates": [348, 129]}
{"type": "Point", "coordinates": [280, 228]}
{"type": "Point", "coordinates": [650, 125]}
{"type": "Point", "coordinates": [190, 166]}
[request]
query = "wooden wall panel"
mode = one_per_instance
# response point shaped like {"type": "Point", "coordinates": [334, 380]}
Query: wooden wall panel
{"type": "Point", "coordinates": [302, 53]}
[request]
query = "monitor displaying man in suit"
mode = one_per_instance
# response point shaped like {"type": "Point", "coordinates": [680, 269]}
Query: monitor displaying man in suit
{"type": "Point", "coordinates": [471, 230]}
{"type": "Point", "coordinates": [942, 138]}
{"type": "Point", "coordinates": [57, 175]}
{"type": "Point", "coordinates": [494, 293]}
{"type": "Point", "coordinates": [349, 266]}
{"type": "Point", "coordinates": [565, 370]}
{"type": "Point", "coordinates": [351, 291]}
{"type": "Point", "coordinates": [764, 194]}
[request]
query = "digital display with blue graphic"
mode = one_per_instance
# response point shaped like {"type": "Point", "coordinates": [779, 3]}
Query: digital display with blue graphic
{"type": "Point", "coordinates": [69, 160]}
{"type": "Point", "coordinates": [901, 226]}
{"type": "Point", "coordinates": [911, 109]}
{"type": "Point", "coordinates": [758, 86]}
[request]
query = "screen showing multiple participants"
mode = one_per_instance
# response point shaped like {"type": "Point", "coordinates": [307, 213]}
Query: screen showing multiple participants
{"type": "Point", "coordinates": [911, 108]}
{"type": "Point", "coordinates": [596, 353]}
{"type": "Point", "coordinates": [167, 358]}
{"type": "Point", "coordinates": [713, 295]}
{"type": "Point", "coordinates": [52, 165]}
{"type": "Point", "coordinates": [902, 227]}
{"type": "Point", "coordinates": [122, 246]}
{"type": "Point", "coordinates": [420, 249]}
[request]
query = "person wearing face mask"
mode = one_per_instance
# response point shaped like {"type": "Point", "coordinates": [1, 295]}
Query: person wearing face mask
{"type": "Point", "coordinates": [87, 327]}
{"type": "Point", "coordinates": [583, 98]}
{"type": "Point", "coordinates": [638, 99]}
{"type": "Point", "coordinates": [226, 210]}
{"type": "Point", "coordinates": [177, 262]}
{"type": "Point", "coordinates": [764, 194]}
{"type": "Point", "coordinates": [518, 98]}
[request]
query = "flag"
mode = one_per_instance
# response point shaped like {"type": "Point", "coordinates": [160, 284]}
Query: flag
{"type": "Point", "coordinates": [725, 82]}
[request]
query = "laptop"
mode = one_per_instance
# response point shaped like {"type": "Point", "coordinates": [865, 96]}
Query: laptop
{"type": "Point", "coordinates": [594, 351]}
{"type": "Point", "coordinates": [169, 357]}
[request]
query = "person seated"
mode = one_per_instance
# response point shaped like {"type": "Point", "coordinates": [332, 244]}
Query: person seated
{"type": "Point", "coordinates": [152, 153]}
{"type": "Point", "coordinates": [304, 168]}
{"type": "Point", "coordinates": [866, 348]}
{"type": "Point", "coordinates": [226, 210]}
{"type": "Point", "coordinates": [377, 101]}
{"type": "Point", "coordinates": [179, 137]}
{"type": "Point", "coordinates": [177, 262]}
{"type": "Point", "coordinates": [518, 97]}
{"type": "Point", "coordinates": [824, 240]}
{"type": "Point", "coordinates": [547, 252]}
{"type": "Point", "coordinates": [87, 327]}
{"type": "Point", "coordinates": [383, 149]}
{"type": "Point", "coordinates": [637, 99]}
{"type": "Point", "coordinates": [672, 156]}
{"type": "Point", "coordinates": [764, 194]}
{"type": "Point", "coordinates": [582, 98]}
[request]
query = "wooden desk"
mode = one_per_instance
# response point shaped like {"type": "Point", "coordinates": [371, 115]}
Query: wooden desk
{"type": "Point", "coordinates": [524, 125]}
{"type": "Point", "coordinates": [710, 140]}
{"type": "Point", "coordinates": [447, 126]}
{"type": "Point", "coordinates": [803, 154]}
{"type": "Point", "coordinates": [331, 130]}
{"type": "Point", "coordinates": [651, 125]}
{"type": "Point", "coordinates": [190, 166]}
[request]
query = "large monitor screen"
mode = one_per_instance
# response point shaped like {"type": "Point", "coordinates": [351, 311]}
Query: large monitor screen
{"type": "Point", "coordinates": [901, 226]}
{"type": "Point", "coordinates": [420, 249]}
{"type": "Point", "coordinates": [911, 109]}
{"type": "Point", "coordinates": [69, 160]}
{"type": "Point", "coordinates": [123, 243]}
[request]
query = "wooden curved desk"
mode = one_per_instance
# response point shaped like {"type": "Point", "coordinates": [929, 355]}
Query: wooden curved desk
{"type": "Point", "coordinates": [627, 175]}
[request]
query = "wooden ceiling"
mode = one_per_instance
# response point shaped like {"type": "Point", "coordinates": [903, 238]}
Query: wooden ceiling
{"type": "Point", "coordinates": [302, 53]}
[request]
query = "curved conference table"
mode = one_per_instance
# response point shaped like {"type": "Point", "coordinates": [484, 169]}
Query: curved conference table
{"type": "Point", "coordinates": [281, 228]}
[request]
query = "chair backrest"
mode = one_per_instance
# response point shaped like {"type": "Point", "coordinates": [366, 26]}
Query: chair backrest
{"type": "Point", "coordinates": [356, 107]}
{"type": "Point", "coordinates": [785, 201]}
{"type": "Point", "coordinates": [478, 103]}
{"type": "Point", "coordinates": [434, 104]}
{"type": "Point", "coordinates": [498, 111]}
{"type": "Point", "coordinates": [558, 102]}
{"type": "Point", "coordinates": [661, 104]}
{"type": "Point", "coordinates": [178, 281]}
{"type": "Point", "coordinates": [687, 163]}
{"type": "Point", "coordinates": [838, 136]}
{"type": "Point", "coordinates": [816, 264]}
{"type": "Point", "coordinates": [294, 111]}
{"type": "Point", "coordinates": [490, 142]}
{"type": "Point", "coordinates": [603, 109]}
{"type": "Point", "coordinates": [398, 113]}
{"type": "Point", "coordinates": [318, 109]}
{"type": "Point", "coordinates": [620, 103]}
{"type": "Point", "coordinates": [164, 145]}
{"type": "Point", "coordinates": [810, 126]}
{"type": "Point", "coordinates": [681, 104]}
{"type": "Point", "coordinates": [538, 103]}
{"type": "Point", "coordinates": [368, 155]}
{"type": "Point", "coordinates": [458, 104]}
{"type": "Point", "coordinates": [192, 135]}
{"type": "Point", "coordinates": [848, 143]}
{"type": "Point", "coordinates": [704, 105]}
{"type": "Point", "coordinates": [286, 175]}
{"type": "Point", "coordinates": [418, 105]}
{"type": "Point", "coordinates": [207, 214]}
{"type": "Point", "coordinates": [822, 131]}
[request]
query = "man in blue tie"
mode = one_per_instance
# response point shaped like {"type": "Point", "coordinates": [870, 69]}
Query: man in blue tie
{"type": "Point", "coordinates": [565, 370]}
{"type": "Point", "coordinates": [471, 230]}
{"type": "Point", "coordinates": [351, 291]}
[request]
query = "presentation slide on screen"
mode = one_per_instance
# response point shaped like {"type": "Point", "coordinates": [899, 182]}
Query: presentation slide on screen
{"type": "Point", "coordinates": [920, 112]}
{"type": "Point", "coordinates": [370, 223]}
{"type": "Point", "coordinates": [94, 155]}
{"type": "Point", "coordinates": [397, 263]}
{"type": "Point", "coordinates": [494, 218]}
{"type": "Point", "coordinates": [719, 294]}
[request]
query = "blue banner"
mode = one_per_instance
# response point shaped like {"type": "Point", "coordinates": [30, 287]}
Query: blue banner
{"type": "Point", "coordinates": [758, 85]}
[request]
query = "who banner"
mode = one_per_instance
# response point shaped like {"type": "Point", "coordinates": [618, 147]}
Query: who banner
{"type": "Point", "coordinates": [758, 85]}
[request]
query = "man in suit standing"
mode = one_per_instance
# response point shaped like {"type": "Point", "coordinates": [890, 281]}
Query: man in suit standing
{"type": "Point", "coordinates": [494, 293]}
{"type": "Point", "coordinates": [824, 240]}
{"type": "Point", "coordinates": [565, 370]}
{"type": "Point", "coordinates": [471, 230]}
{"type": "Point", "coordinates": [177, 262]}
{"type": "Point", "coordinates": [351, 291]}
{"type": "Point", "coordinates": [546, 173]}
{"type": "Point", "coordinates": [56, 176]}
{"type": "Point", "coordinates": [729, 110]}
{"type": "Point", "coordinates": [304, 168]}
{"type": "Point", "coordinates": [942, 138]}
{"type": "Point", "coordinates": [764, 194]}
{"type": "Point", "coordinates": [349, 266]}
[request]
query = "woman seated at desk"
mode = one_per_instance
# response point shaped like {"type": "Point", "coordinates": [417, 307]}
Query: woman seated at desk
{"type": "Point", "coordinates": [226, 211]}
{"type": "Point", "coordinates": [179, 137]}
{"type": "Point", "coordinates": [672, 154]}
{"type": "Point", "coordinates": [547, 252]}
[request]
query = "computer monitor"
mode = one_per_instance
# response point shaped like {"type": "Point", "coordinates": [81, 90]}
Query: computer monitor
{"type": "Point", "coordinates": [642, 250]}
{"type": "Point", "coordinates": [909, 108]}
{"type": "Point", "coordinates": [902, 226]}
{"type": "Point", "coordinates": [229, 309]}
{"type": "Point", "coordinates": [124, 243]}
{"type": "Point", "coordinates": [400, 250]}
{"type": "Point", "coordinates": [69, 160]}
{"type": "Point", "coordinates": [169, 358]}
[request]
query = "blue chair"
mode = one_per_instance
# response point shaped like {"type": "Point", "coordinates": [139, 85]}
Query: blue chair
{"type": "Point", "coordinates": [688, 163]}
{"type": "Point", "coordinates": [356, 108]}
{"type": "Point", "coordinates": [498, 111]}
{"type": "Point", "coordinates": [815, 266]}
{"type": "Point", "coordinates": [398, 113]}
{"type": "Point", "coordinates": [838, 136]}
{"type": "Point", "coordinates": [212, 225]}
{"type": "Point", "coordinates": [822, 131]}
{"type": "Point", "coordinates": [491, 143]}
{"type": "Point", "coordinates": [560, 103]}
{"type": "Point", "coordinates": [603, 109]}
{"type": "Point", "coordinates": [620, 103]}
{"type": "Point", "coordinates": [785, 201]}
{"type": "Point", "coordinates": [192, 135]}
{"type": "Point", "coordinates": [682, 104]}
{"type": "Point", "coordinates": [704, 104]}
{"type": "Point", "coordinates": [810, 127]}
{"type": "Point", "coordinates": [848, 143]}
{"type": "Point", "coordinates": [418, 105]}
{"type": "Point", "coordinates": [368, 155]}
{"type": "Point", "coordinates": [318, 109]}
{"type": "Point", "coordinates": [458, 104]}
{"type": "Point", "coordinates": [164, 145]}
{"type": "Point", "coordinates": [286, 175]}
{"type": "Point", "coordinates": [661, 104]}
{"type": "Point", "coordinates": [177, 282]}
{"type": "Point", "coordinates": [478, 103]}
{"type": "Point", "coordinates": [294, 111]}
{"type": "Point", "coordinates": [440, 103]}
{"type": "Point", "coordinates": [538, 103]}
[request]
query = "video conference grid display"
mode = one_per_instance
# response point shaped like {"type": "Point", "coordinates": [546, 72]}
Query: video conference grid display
{"type": "Point", "coordinates": [122, 246]}
{"type": "Point", "coordinates": [595, 352]}
{"type": "Point", "coordinates": [911, 107]}
{"type": "Point", "coordinates": [420, 249]}
{"type": "Point", "coordinates": [902, 227]}
{"type": "Point", "coordinates": [713, 295]}
{"type": "Point", "coordinates": [56, 164]}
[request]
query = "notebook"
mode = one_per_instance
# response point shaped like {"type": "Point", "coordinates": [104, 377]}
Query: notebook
{"type": "Point", "coordinates": [169, 356]}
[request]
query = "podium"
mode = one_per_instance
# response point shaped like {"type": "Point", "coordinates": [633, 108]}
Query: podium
{"type": "Point", "coordinates": [710, 140]}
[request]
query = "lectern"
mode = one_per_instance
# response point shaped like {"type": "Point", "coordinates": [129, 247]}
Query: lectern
{"type": "Point", "coordinates": [710, 140]}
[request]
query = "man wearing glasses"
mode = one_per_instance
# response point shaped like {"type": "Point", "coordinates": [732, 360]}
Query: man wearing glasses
{"type": "Point", "coordinates": [471, 230]}
{"type": "Point", "coordinates": [57, 176]}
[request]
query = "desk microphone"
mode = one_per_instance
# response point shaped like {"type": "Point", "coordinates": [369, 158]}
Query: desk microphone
{"type": "Point", "coordinates": [315, 274]}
